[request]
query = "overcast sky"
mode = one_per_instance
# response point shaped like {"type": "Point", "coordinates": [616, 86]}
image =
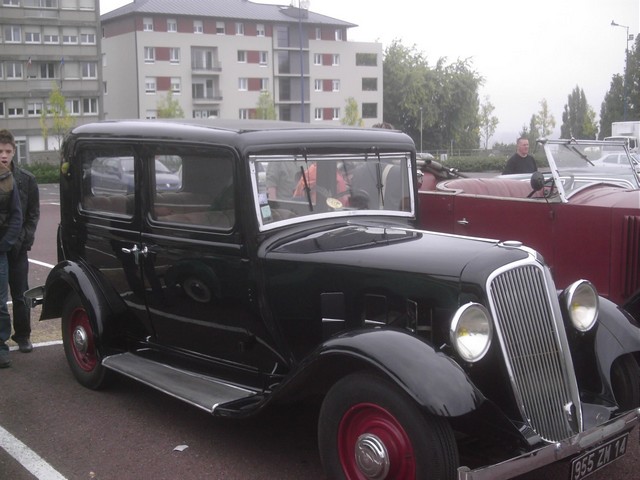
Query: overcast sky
{"type": "Point", "coordinates": [525, 51]}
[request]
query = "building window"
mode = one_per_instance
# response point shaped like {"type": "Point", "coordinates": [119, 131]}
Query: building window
{"type": "Point", "coordinates": [335, 59]}
{"type": "Point", "coordinates": [1, 109]}
{"type": "Point", "coordinates": [89, 70]}
{"type": "Point", "coordinates": [11, 3]}
{"type": "Point", "coordinates": [264, 84]}
{"type": "Point", "coordinates": [73, 106]}
{"type": "Point", "coordinates": [176, 85]}
{"type": "Point", "coordinates": [239, 28]}
{"type": "Point", "coordinates": [260, 32]}
{"type": "Point", "coordinates": [172, 25]}
{"type": "Point", "coordinates": [150, 85]}
{"type": "Point", "coordinates": [338, 34]}
{"type": "Point", "coordinates": [13, 70]}
{"type": "Point", "coordinates": [149, 54]}
{"type": "Point", "coordinates": [47, 70]}
{"type": "Point", "coordinates": [197, 26]}
{"type": "Point", "coordinates": [369, 110]}
{"type": "Point", "coordinates": [205, 114]}
{"type": "Point", "coordinates": [317, 85]}
{"type": "Point", "coordinates": [12, 34]}
{"type": "Point", "coordinates": [34, 109]}
{"type": "Point", "coordinates": [336, 113]}
{"type": "Point", "coordinates": [15, 112]}
{"type": "Point", "coordinates": [88, 38]}
{"type": "Point", "coordinates": [147, 24]}
{"type": "Point", "coordinates": [151, 114]}
{"type": "Point", "coordinates": [32, 37]}
{"type": "Point", "coordinates": [318, 33]}
{"type": "Point", "coordinates": [264, 57]}
{"type": "Point", "coordinates": [243, 114]}
{"type": "Point", "coordinates": [90, 106]}
{"type": "Point", "coordinates": [51, 38]}
{"type": "Point", "coordinates": [220, 28]}
{"type": "Point", "coordinates": [366, 59]}
{"type": "Point", "coordinates": [317, 59]}
{"type": "Point", "coordinates": [174, 55]}
{"type": "Point", "coordinates": [242, 56]}
{"type": "Point", "coordinates": [317, 114]}
{"type": "Point", "coordinates": [70, 39]}
{"type": "Point", "coordinates": [369, 84]}
{"type": "Point", "coordinates": [243, 84]}
{"type": "Point", "coordinates": [335, 85]}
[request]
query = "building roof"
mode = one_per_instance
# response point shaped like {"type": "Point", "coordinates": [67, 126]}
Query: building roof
{"type": "Point", "coordinates": [231, 9]}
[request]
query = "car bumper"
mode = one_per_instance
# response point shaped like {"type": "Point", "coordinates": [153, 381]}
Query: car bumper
{"type": "Point", "coordinates": [554, 452]}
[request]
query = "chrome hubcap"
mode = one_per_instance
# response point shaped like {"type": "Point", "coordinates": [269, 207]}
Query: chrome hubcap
{"type": "Point", "coordinates": [80, 340]}
{"type": "Point", "coordinates": [372, 457]}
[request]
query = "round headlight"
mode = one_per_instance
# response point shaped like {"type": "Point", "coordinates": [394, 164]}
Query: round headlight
{"type": "Point", "coordinates": [581, 300]}
{"type": "Point", "coordinates": [471, 331]}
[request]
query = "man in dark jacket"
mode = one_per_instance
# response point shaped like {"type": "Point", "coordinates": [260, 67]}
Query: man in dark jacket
{"type": "Point", "coordinates": [18, 257]}
{"type": "Point", "coordinates": [10, 226]}
{"type": "Point", "coordinates": [521, 161]}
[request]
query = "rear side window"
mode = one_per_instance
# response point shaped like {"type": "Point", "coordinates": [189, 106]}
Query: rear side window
{"type": "Point", "coordinates": [206, 197]}
{"type": "Point", "coordinates": [108, 180]}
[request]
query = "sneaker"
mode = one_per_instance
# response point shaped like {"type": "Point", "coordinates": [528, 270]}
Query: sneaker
{"type": "Point", "coordinates": [5, 361]}
{"type": "Point", "coordinates": [24, 345]}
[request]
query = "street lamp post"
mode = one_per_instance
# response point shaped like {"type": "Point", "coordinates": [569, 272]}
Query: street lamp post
{"type": "Point", "coordinates": [626, 64]}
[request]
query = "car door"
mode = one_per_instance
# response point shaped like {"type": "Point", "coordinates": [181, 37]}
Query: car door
{"type": "Point", "coordinates": [530, 221]}
{"type": "Point", "coordinates": [200, 282]}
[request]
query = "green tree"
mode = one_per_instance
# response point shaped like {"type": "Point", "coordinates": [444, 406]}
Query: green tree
{"type": "Point", "coordinates": [351, 115]}
{"type": "Point", "coordinates": [612, 108]}
{"type": "Point", "coordinates": [169, 107]}
{"type": "Point", "coordinates": [488, 122]}
{"type": "Point", "coordinates": [55, 118]}
{"type": "Point", "coordinates": [544, 121]}
{"type": "Point", "coordinates": [578, 118]}
{"type": "Point", "coordinates": [266, 109]}
{"type": "Point", "coordinates": [447, 96]}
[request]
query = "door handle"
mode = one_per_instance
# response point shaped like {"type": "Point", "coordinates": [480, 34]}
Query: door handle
{"type": "Point", "coordinates": [136, 252]}
{"type": "Point", "coordinates": [464, 221]}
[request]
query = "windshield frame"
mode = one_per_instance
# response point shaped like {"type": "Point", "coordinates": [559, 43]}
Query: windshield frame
{"type": "Point", "coordinates": [623, 176]}
{"type": "Point", "coordinates": [261, 200]}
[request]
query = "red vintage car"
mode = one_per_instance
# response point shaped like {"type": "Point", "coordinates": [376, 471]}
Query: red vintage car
{"type": "Point", "coordinates": [582, 214]}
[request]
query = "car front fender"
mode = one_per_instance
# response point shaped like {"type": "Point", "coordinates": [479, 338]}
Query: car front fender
{"type": "Point", "coordinates": [431, 378]}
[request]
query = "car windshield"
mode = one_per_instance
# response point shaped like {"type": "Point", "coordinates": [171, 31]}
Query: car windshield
{"type": "Point", "coordinates": [577, 164]}
{"type": "Point", "coordinates": [293, 188]}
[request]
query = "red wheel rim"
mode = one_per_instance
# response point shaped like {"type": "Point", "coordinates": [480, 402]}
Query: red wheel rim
{"type": "Point", "coordinates": [366, 423]}
{"type": "Point", "coordinates": [81, 340]}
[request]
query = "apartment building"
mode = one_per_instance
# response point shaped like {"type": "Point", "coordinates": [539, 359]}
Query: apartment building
{"type": "Point", "coordinates": [216, 58]}
{"type": "Point", "coordinates": [44, 45]}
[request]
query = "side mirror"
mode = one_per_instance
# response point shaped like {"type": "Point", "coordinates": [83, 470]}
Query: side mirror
{"type": "Point", "coordinates": [537, 181]}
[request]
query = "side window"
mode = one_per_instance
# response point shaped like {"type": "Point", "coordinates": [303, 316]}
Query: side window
{"type": "Point", "coordinates": [206, 197]}
{"type": "Point", "coordinates": [108, 181]}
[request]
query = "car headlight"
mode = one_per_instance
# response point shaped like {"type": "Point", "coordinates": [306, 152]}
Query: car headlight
{"type": "Point", "coordinates": [581, 300]}
{"type": "Point", "coordinates": [471, 331]}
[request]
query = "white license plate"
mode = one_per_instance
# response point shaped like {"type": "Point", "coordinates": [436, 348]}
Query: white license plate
{"type": "Point", "coordinates": [589, 462]}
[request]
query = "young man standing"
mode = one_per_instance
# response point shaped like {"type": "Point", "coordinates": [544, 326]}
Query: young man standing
{"type": "Point", "coordinates": [10, 227]}
{"type": "Point", "coordinates": [521, 161]}
{"type": "Point", "coordinates": [18, 257]}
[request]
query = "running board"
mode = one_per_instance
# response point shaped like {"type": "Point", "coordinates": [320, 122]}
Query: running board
{"type": "Point", "coordinates": [199, 390]}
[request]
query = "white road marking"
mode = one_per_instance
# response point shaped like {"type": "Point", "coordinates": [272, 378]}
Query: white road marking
{"type": "Point", "coordinates": [28, 458]}
{"type": "Point", "coordinates": [42, 264]}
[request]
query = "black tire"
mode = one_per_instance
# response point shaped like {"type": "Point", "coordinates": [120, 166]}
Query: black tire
{"type": "Point", "coordinates": [366, 413]}
{"type": "Point", "coordinates": [625, 382]}
{"type": "Point", "coordinates": [81, 345]}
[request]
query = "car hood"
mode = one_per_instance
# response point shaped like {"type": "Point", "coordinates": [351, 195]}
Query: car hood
{"type": "Point", "coordinates": [607, 196]}
{"type": "Point", "coordinates": [395, 249]}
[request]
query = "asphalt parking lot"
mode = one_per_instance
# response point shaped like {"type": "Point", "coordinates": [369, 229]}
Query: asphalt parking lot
{"type": "Point", "coordinates": [51, 428]}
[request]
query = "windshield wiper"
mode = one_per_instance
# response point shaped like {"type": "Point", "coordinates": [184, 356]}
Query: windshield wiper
{"type": "Point", "coordinates": [307, 189]}
{"type": "Point", "coordinates": [379, 185]}
{"type": "Point", "coordinates": [580, 154]}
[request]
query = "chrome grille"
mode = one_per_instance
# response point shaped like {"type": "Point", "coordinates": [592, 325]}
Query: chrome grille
{"type": "Point", "coordinates": [534, 346]}
{"type": "Point", "coordinates": [630, 261]}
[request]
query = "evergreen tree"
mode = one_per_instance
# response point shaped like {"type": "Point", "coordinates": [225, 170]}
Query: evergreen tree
{"type": "Point", "coordinates": [578, 118]}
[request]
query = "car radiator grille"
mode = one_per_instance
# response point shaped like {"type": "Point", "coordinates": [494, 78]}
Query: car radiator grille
{"type": "Point", "coordinates": [631, 254]}
{"type": "Point", "coordinates": [532, 346]}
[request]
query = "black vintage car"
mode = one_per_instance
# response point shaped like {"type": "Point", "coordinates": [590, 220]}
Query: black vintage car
{"type": "Point", "coordinates": [288, 265]}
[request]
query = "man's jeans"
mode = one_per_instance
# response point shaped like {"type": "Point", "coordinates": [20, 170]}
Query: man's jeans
{"type": "Point", "coordinates": [5, 319]}
{"type": "Point", "coordinates": [18, 284]}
